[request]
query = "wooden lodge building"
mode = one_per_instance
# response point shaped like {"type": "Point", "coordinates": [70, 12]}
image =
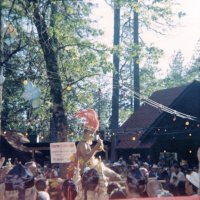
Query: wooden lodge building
{"type": "Point", "coordinates": [150, 131]}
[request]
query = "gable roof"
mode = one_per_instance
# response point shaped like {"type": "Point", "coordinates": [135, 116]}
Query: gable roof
{"type": "Point", "coordinates": [146, 115]}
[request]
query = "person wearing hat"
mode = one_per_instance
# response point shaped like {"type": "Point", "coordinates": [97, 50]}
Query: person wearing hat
{"type": "Point", "coordinates": [154, 171]}
{"type": "Point", "coordinates": [192, 183]}
{"type": "Point", "coordinates": [86, 153]}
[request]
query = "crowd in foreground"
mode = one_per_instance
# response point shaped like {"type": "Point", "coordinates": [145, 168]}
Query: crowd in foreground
{"type": "Point", "coordinates": [30, 181]}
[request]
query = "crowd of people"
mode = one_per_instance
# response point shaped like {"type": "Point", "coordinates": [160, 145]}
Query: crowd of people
{"type": "Point", "coordinates": [92, 179]}
{"type": "Point", "coordinates": [30, 181]}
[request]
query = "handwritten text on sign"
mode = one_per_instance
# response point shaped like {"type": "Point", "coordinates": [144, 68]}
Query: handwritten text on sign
{"type": "Point", "coordinates": [62, 151]}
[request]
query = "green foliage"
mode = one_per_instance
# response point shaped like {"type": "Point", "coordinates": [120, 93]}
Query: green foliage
{"type": "Point", "coordinates": [153, 16]}
{"type": "Point", "coordinates": [149, 82]}
{"type": "Point", "coordinates": [124, 113]}
{"type": "Point", "coordinates": [80, 60]}
{"type": "Point", "coordinates": [193, 70]}
{"type": "Point", "coordinates": [176, 76]}
{"type": "Point", "coordinates": [193, 73]}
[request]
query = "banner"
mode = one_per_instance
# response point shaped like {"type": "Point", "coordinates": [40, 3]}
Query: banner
{"type": "Point", "coordinates": [62, 151]}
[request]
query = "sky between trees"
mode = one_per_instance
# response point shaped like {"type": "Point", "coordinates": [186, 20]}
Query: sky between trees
{"type": "Point", "coordinates": [183, 37]}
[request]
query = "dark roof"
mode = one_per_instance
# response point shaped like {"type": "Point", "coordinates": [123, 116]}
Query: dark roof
{"type": "Point", "coordinates": [40, 144]}
{"type": "Point", "coordinates": [140, 121]}
{"type": "Point", "coordinates": [147, 114]}
{"type": "Point", "coordinates": [127, 142]}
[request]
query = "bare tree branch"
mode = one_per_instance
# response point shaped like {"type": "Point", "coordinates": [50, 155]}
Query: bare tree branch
{"type": "Point", "coordinates": [19, 48]}
{"type": "Point", "coordinates": [83, 45]}
{"type": "Point", "coordinates": [72, 83]}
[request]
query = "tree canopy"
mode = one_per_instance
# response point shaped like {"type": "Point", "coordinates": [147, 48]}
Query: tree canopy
{"type": "Point", "coordinates": [53, 46]}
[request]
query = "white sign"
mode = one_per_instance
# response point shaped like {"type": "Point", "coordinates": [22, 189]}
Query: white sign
{"type": "Point", "coordinates": [62, 151]}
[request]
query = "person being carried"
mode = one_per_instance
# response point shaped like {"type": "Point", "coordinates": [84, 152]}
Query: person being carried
{"type": "Point", "coordinates": [86, 153]}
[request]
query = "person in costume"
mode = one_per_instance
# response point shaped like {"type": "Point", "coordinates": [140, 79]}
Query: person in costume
{"type": "Point", "coordinates": [86, 153]}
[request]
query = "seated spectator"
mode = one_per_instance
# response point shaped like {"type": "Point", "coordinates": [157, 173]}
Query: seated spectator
{"type": "Point", "coordinates": [153, 173]}
{"type": "Point", "coordinates": [155, 189]}
{"type": "Point", "coordinates": [192, 184]}
{"type": "Point", "coordinates": [166, 177]}
{"type": "Point", "coordinates": [122, 161]}
{"type": "Point", "coordinates": [136, 184]}
{"type": "Point", "coordinates": [176, 175]}
{"type": "Point", "coordinates": [145, 172]}
{"type": "Point", "coordinates": [181, 188]}
{"type": "Point", "coordinates": [69, 190]}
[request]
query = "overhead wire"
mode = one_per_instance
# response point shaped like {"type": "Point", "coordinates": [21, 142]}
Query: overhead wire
{"type": "Point", "coordinates": [161, 106]}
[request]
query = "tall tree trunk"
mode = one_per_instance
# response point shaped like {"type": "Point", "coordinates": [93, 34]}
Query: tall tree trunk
{"type": "Point", "coordinates": [47, 44]}
{"type": "Point", "coordinates": [115, 88]}
{"type": "Point", "coordinates": [136, 76]}
{"type": "Point", "coordinates": [1, 56]}
{"type": "Point", "coordinates": [1, 39]}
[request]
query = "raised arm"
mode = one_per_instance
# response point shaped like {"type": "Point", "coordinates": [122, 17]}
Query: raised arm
{"type": "Point", "coordinates": [84, 152]}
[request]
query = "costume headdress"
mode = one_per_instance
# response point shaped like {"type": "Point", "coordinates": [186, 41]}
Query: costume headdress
{"type": "Point", "coordinates": [90, 117]}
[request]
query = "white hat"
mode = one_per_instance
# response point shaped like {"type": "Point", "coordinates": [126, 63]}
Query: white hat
{"type": "Point", "coordinates": [194, 179]}
{"type": "Point", "coordinates": [155, 166]}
